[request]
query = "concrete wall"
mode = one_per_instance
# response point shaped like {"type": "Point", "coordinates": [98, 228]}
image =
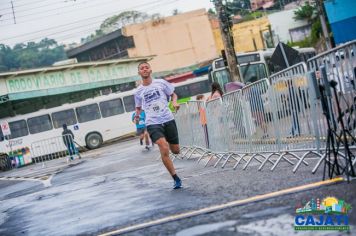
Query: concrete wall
{"type": "Point", "coordinates": [244, 33]}
{"type": "Point", "coordinates": [282, 21]}
{"type": "Point", "coordinates": [177, 41]}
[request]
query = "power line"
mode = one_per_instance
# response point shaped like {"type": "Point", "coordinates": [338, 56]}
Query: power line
{"type": "Point", "coordinates": [90, 30]}
{"type": "Point", "coordinates": [29, 3]}
{"type": "Point", "coordinates": [34, 8]}
{"type": "Point", "coordinates": [55, 9]}
{"type": "Point", "coordinates": [86, 20]}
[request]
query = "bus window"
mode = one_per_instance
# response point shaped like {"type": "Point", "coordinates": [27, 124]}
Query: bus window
{"type": "Point", "coordinates": [253, 72]}
{"type": "Point", "coordinates": [182, 91]}
{"type": "Point", "coordinates": [88, 113]}
{"type": "Point", "coordinates": [199, 88]}
{"type": "Point", "coordinates": [219, 64]}
{"type": "Point", "coordinates": [18, 129]}
{"type": "Point", "coordinates": [129, 102]}
{"type": "Point", "coordinates": [111, 108]}
{"type": "Point", "coordinates": [63, 117]}
{"type": "Point", "coordinates": [1, 135]}
{"type": "Point", "coordinates": [222, 77]}
{"type": "Point", "coordinates": [39, 124]}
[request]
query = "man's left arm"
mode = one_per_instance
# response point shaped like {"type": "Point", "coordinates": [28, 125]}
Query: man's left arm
{"type": "Point", "coordinates": [174, 99]}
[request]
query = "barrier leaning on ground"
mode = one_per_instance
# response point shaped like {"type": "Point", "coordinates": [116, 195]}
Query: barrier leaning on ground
{"type": "Point", "coordinates": [274, 120]}
{"type": "Point", "coordinates": [54, 148]}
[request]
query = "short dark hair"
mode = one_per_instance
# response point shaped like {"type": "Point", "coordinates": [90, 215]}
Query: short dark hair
{"type": "Point", "coordinates": [141, 63]}
{"type": "Point", "coordinates": [200, 97]}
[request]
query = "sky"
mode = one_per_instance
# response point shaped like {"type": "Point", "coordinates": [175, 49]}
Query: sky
{"type": "Point", "coordinates": [68, 21]}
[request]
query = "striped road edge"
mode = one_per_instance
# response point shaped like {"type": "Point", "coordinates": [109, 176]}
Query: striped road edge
{"type": "Point", "coordinates": [223, 206]}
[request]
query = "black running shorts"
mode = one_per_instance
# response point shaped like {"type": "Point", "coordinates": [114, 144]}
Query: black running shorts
{"type": "Point", "coordinates": [166, 130]}
{"type": "Point", "coordinates": [140, 131]}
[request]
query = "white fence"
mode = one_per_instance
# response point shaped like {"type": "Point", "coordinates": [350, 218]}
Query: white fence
{"type": "Point", "coordinates": [279, 119]}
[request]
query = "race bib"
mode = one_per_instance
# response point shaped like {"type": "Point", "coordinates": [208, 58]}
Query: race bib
{"type": "Point", "coordinates": [156, 107]}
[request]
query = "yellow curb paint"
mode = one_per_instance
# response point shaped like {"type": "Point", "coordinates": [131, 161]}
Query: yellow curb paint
{"type": "Point", "coordinates": [223, 206]}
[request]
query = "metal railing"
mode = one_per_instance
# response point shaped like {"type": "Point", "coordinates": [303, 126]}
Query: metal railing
{"type": "Point", "coordinates": [270, 121]}
{"type": "Point", "coordinates": [54, 148]}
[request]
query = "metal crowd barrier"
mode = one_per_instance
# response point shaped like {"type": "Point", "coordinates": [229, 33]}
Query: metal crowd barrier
{"type": "Point", "coordinates": [218, 131]}
{"type": "Point", "coordinates": [184, 130]}
{"type": "Point", "coordinates": [54, 148]}
{"type": "Point", "coordinates": [340, 66]}
{"type": "Point", "coordinates": [270, 121]}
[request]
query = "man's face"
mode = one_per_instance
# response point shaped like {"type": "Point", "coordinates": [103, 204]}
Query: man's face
{"type": "Point", "coordinates": [144, 70]}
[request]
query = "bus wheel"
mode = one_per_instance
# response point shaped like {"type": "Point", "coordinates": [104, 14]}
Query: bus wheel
{"type": "Point", "coordinates": [93, 140]}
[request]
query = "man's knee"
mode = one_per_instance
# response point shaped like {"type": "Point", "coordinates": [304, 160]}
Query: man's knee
{"type": "Point", "coordinates": [175, 148]}
{"type": "Point", "coordinates": [163, 145]}
{"type": "Point", "coordinates": [175, 151]}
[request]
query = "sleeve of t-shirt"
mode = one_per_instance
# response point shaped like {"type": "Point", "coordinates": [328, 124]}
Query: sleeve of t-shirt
{"type": "Point", "coordinates": [167, 87]}
{"type": "Point", "coordinates": [138, 100]}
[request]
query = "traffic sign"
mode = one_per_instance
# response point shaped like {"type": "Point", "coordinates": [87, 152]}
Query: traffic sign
{"type": "Point", "coordinates": [5, 128]}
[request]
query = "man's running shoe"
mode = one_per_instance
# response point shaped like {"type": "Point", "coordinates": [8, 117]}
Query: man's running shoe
{"type": "Point", "coordinates": [141, 142]}
{"type": "Point", "coordinates": [177, 184]}
{"type": "Point", "coordinates": [147, 147]}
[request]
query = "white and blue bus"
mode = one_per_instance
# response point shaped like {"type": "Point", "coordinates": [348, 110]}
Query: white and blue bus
{"type": "Point", "coordinates": [253, 66]}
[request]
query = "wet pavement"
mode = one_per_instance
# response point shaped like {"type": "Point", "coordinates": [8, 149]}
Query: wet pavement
{"type": "Point", "coordinates": [122, 184]}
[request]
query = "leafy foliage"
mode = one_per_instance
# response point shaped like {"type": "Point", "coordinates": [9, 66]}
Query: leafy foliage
{"type": "Point", "coordinates": [309, 12]}
{"type": "Point", "coordinates": [238, 7]}
{"type": "Point", "coordinates": [118, 21]}
{"type": "Point", "coordinates": [30, 55]}
{"type": "Point", "coordinates": [306, 12]}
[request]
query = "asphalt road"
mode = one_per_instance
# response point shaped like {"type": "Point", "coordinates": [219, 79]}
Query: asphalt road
{"type": "Point", "coordinates": [122, 185]}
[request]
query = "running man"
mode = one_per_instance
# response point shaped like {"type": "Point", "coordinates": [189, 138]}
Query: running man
{"type": "Point", "coordinates": [151, 96]}
{"type": "Point", "coordinates": [141, 128]}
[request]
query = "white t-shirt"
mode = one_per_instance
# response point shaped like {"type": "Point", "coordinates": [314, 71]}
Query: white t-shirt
{"type": "Point", "coordinates": [153, 99]}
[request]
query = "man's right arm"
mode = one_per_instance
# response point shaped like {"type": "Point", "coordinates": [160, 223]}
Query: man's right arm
{"type": "Point", "coordinates": [137, 114]}
{"type": "Point", "coordinates": [138, 104]}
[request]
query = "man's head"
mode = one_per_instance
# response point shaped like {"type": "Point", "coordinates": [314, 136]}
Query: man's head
{"type": "Point", "coordinates": [64, 126]}
{"type": "Point", "coordinates": [200, 97]}
{"type": "Point", "coordinates": [144, 70]}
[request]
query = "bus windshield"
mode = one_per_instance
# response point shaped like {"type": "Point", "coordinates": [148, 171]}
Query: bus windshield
{"type": "Point", "coordinates": [253, 66]}
{"type": "Point", "coordinates": [253, 72]}
{"type": "Point", "coordinates": [249, 73]}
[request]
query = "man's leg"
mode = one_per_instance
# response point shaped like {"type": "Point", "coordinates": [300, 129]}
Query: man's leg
{"type": "Point", "coordinates": [174, 148]}
{"type": "Point", "coordinates": [157, 134]}
{"type": "Point", "coordinates": [72, 150]}
{"type": "Point", "coordinates": [164, 150]}
{"type": "Point", "coordinates": [141, 137]}
{"type": "Point", "coordinates": [147, 140]}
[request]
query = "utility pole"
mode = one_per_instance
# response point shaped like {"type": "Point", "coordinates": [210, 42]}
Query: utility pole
{"type": "Point", "coordinates": [228, 41]}
{"type": "Point", "coordinates": [323, 23]}
{"type": "Point", "coordinates": [13, 12]}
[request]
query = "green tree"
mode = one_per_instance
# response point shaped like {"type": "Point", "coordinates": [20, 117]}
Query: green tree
{"type": "Point", "coordinates": [30, 55]}
{"type": "Point", "coordinates": [238, 7]}
{"type": "Point", "coordinates": [211, 11]}
{"type": "Point", "coordinates": [309, 12]}
{"type": "Point", "coordinates": [175, 12]}
{"type": "Point", "coordinates": [115, 22]}
{"type": "Point", "coordinates": [306, 12]}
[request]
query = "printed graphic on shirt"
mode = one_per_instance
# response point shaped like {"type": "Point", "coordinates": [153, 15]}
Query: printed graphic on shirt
{"type": "Point", "coordinates": [153, 99]}
{"type": "Point", "coordinates": [151, 95]}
